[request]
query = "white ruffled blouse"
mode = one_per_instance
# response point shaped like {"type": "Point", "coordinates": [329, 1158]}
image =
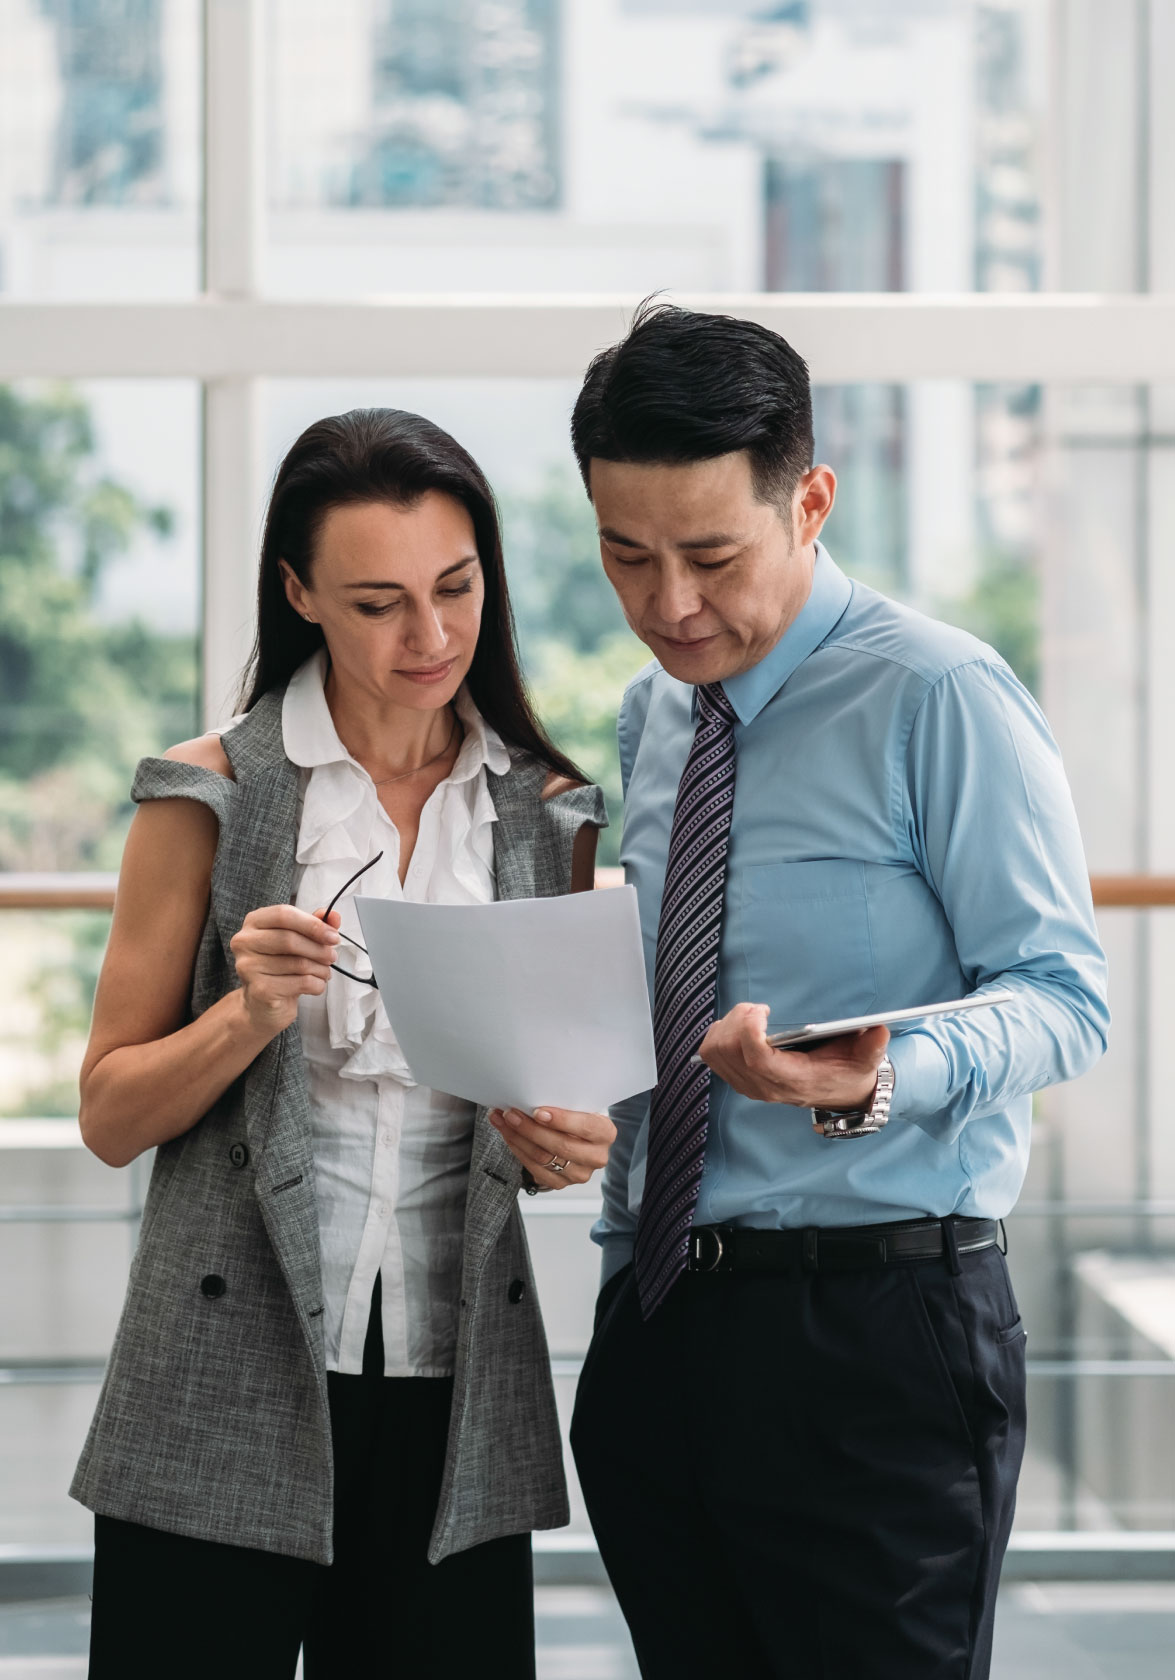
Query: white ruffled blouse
{"type": "Point", "coordinates": [391, 1157]}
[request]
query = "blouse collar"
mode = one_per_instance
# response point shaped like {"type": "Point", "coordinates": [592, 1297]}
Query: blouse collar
{"type": "Point", "coordinates": [311, 739]}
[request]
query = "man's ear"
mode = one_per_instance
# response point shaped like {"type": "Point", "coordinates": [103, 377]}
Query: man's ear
{"type": "Point", "coordinates": [812, 504]}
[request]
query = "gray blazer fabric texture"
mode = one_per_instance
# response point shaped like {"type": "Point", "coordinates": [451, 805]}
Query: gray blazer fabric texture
{"type": "Point", "coordinates": [212, 1420]}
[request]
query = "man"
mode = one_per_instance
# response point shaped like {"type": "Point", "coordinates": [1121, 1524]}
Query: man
{"type": "Point", "coordinates": [801, 1418]}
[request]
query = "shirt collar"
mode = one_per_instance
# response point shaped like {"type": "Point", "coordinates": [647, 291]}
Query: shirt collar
{"type": "Point", "coordinates": [310, 737]}
{"type": "Point", "coordinates": [827, 599]}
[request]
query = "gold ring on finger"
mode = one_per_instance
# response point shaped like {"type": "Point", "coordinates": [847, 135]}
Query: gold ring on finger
{"type": "Point", "coordinates": [555, 1165]}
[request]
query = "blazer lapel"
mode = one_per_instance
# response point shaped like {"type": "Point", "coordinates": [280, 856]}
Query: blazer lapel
{"type": "Point", "coordinates": [257, 870]}
{"type": "Point", "coordinates": [516, 797]}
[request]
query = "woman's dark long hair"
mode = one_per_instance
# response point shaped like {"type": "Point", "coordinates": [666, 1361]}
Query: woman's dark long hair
{"type": "Point", "coordinates": [386, 455]}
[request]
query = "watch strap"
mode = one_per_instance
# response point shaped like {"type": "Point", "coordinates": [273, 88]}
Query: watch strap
{"type": "Point", "coordinates": [861, 1122]}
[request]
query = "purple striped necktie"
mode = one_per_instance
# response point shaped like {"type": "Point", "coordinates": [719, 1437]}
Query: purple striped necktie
{"type": "Point", "coordinates": [684, 988]}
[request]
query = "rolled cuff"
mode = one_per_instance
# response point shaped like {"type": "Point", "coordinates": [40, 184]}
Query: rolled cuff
{"type": "Point", "coordinates": [922, 1082]}
{"type": "Point", "coordinates": [617, 1249]}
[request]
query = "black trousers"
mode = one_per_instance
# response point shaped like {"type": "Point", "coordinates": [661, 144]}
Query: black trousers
{"type": "Point", "coordinates": [197, 1610]}
{"type": "Point", "coordinates": [809, 1476]}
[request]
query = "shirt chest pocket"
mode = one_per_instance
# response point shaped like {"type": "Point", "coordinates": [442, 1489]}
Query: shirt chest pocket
{"type": "Point", "coordinates": [804, 939]}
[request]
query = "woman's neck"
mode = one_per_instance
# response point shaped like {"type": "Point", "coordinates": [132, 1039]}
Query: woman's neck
{"type": "Point", "coordinates": [387, 739]}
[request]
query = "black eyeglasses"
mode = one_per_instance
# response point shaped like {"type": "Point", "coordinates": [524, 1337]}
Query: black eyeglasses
{"type": "Point", "coordinates": [363, 979]}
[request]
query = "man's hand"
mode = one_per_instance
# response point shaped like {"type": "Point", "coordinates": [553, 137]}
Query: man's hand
{"type": "Point", "coordinates": [839, 1074]}
{"type": "Point", "coordinates": [578, 1143]}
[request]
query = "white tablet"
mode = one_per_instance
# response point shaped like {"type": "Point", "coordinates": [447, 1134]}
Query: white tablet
{"type": "Point", "coordinates": [817, 1032]}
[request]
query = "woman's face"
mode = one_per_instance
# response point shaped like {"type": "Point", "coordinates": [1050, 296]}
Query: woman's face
{"type": "Point", "coordinates": [398, 592]}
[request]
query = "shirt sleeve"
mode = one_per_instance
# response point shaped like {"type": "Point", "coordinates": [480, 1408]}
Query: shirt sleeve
{"type": "Point", "coordinates": [630, 723]}
{"type": "Point", "coordinates": [615, 1230]}
{"type": "Point", "coordinates": [993, 828]}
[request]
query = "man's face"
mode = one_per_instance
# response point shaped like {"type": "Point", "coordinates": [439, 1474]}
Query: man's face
{"type": "Point", "coordinates": [708, 577]}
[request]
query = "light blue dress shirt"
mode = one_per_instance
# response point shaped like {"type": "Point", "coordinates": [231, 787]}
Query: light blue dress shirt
{"type": "Point", "coordinates": [902, 833]}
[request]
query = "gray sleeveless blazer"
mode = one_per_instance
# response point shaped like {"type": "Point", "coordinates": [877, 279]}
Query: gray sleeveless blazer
{"type": "Point", "coordinates": [212, 1420]}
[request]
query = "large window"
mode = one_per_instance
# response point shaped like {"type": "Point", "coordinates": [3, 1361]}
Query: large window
{"type": "Point", "coordinates": [99, 148]}
{"type": "Point", "coordinates": [950, 207]}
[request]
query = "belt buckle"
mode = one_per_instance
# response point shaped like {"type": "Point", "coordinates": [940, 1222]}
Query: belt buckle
{"type": "Point", "coordinates": [706, 1249]}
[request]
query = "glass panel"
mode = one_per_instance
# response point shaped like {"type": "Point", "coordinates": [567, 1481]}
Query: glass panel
{"type": "Point", "coordinates": [1097, 1292]}
{"type": "Point", "coordinates": [42, 1431]}
{"type": "Point", "coordinates": [61, 1320]}
{"type": "Point", "coordinates": [413, 104]}
{"type": "Point", "coordinates": [99, 164]}
{"type": "Point", "coordinates": [695, 144]}
{"type": "Point", "coordinates": [49, 963]}
{"type": "Point", "coordinates": [705, 145]}
{"type": "Point", "coordinates": [98, 607]}
{"type": "Point", "coordinates": [462, 107]}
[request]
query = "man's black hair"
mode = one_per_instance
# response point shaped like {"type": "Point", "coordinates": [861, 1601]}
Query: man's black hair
{"type": "Point", "coordinates": [685, 386]}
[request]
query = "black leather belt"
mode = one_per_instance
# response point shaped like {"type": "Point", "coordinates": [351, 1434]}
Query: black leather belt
{"type": "Point", "coordinates": [741, 1248]}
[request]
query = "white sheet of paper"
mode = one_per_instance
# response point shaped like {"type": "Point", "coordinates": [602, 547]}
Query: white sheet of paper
{"type": "Point", "coordinates": [521, 1003]}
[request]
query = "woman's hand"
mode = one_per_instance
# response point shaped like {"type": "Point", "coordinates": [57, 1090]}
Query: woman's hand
{"type": "Point", "coordinates": [577, 1143]}
{"type": "Point", "coordinates": [283, 954]}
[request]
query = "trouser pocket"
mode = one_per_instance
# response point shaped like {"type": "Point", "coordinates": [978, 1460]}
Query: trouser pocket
{"type": "Point", "coordinates": [975, 1335]}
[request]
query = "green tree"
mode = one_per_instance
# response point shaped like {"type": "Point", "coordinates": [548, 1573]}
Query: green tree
{"type": "Point", "coordinates": [1003, 609]}
{"type": "Point", "coordinates": [80, 700]}
{"type": "Point", "coordinates": [557, 583]}
{"type": "Point", "coordinates": [578, 696]}
{"type": "Point", "coordinates": [576, 648]}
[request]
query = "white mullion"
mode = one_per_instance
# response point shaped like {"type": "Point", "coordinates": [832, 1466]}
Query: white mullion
{"type": "Point", "coordinates": [1069, 338]}
{"type": "Point", "coordinates": [231, 532]}
{"type": "Point", "coordinates": [234, 137]}
{"type": "Point", "coordinates": [234, 160]}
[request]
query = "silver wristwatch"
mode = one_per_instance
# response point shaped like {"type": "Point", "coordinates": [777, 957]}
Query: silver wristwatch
{"type": "Point", "coordinates": [860, 1122]}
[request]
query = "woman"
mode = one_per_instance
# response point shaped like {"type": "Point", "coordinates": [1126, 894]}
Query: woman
{"type": "Point", "coordinates": [328, 1418]}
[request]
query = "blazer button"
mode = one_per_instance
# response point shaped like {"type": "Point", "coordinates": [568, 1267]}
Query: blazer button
{"type": "Point", "coordinates": [239, 1155]}
{"type": "Point", "coordinates": [212, 1286]}
{"type": "Point", "coordinates": [515, 1292]}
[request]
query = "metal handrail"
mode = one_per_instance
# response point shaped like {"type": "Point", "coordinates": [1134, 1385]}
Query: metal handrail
{"type": "Point", "coordinates": [570, 1366]}
{"type": "Point", "coordinates": [51, 1373]}
{"type": "Point", "coordinates": [1133, 892]}
{"type": "Point", "coordinates": [38, 1373]}
{"type": "Point", "coordinates": [62, 1213]}
{"type": "Point", "coordinates": [64, 891]}
{"type": "Point", "coordinates": [67, 891]}
{"type": "Point", "coordinates": [575, 1207]}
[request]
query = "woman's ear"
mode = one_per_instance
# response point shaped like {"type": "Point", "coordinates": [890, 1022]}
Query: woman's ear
{"type": "Point", "coordinates": [295, 590]}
